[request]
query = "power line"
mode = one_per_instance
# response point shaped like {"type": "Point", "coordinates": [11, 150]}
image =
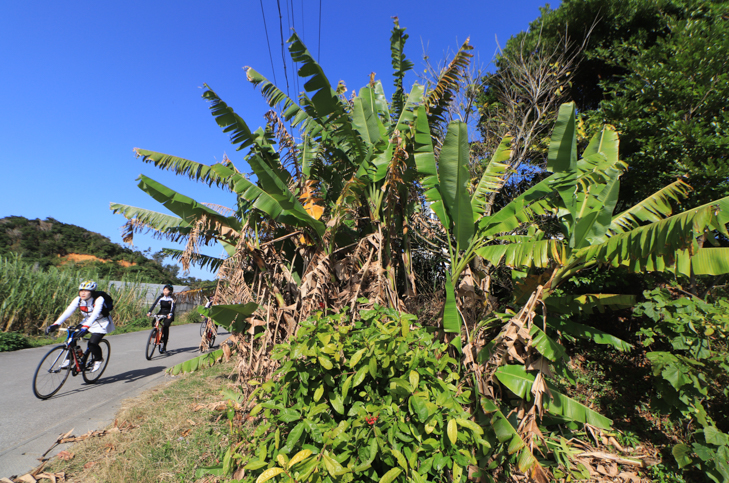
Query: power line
{"type": "Point", "coordinates": [295, 73]}
{"type": "Point", "coordinates": [283, 57]}
{"type": "Point", "coordinates": [318, 51]}
{"type": "Point", "coordinates": [270, 56]}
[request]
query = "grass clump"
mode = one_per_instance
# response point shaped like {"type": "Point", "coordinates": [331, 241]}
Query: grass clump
{"type": "Point", "coordinates": [177, 429]}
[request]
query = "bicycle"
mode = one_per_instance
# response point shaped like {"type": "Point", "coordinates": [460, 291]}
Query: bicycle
{"type": "Point", "coordinates": [155, 337]}
{"type": "Point", "coordinates": [203, 326]}
{"type": "Point", "coordinates": [50, 375]}
{"type": "Point", "coordinates": [211, 331]}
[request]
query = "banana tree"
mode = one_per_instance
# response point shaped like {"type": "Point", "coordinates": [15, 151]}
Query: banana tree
{"type": "Point", "coordinates": [581, 196]}
{"type": "Point", "coordinates": [331, 209]}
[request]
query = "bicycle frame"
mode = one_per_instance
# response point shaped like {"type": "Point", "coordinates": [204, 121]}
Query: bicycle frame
{"type": "Point", "coordinates": [71, 343]}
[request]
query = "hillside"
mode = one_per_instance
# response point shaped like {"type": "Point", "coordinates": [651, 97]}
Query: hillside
{"type": "Point", "coordinates": [50, 242]}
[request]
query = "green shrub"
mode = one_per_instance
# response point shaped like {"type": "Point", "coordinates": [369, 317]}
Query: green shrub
{"type": "Point", "coordinates": [691, 364]}
{"type": "Point", "coordinates": [377, 401]}
{"type": "Point", "coordinates": [11, 341]}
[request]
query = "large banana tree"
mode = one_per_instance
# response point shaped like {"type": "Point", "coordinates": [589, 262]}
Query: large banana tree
{"type": "Point", "coordinates": [327, 217]}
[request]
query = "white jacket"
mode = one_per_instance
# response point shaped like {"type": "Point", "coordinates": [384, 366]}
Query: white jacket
{"type": "Point", "coordinates": [91, 310]}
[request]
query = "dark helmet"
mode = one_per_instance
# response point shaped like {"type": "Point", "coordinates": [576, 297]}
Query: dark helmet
{"type": "Point", "coordinates": [170, 287]}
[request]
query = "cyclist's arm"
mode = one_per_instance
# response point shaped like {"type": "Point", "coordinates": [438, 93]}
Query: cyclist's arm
{"type": "Point", "coordinates": [154, 304]}
{"type": "Point", "coordinates": [172, 307]}
{"type": "Point", "coordinates": [68, 312]}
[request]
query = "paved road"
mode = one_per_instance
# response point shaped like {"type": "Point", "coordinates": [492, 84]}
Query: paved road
{"type": "Point", "coordinates": [29, 426]}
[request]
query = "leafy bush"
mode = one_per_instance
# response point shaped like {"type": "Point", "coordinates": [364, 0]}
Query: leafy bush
{"type": "Point", "coordinates": [377, 401]}
{"type": "Point", "coordinates": [11, 341]}
{"type": "Point", "coordinates": [692, 373]}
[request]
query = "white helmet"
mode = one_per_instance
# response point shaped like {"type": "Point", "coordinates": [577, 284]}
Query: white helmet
{"type": "Point", "coordinates": [87, 285]}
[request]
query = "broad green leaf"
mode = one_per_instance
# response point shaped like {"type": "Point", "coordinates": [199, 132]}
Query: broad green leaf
{"type": "Point", "coordinates": [299, 457]}
{"type": "Point", "coordinates": [226, 315]}
{"type": "Point", "coordinates": [345, 387]}
{"type": "Point", "coordinates": [255, 465]}
{"type": "Point", "coordinates": [414, 379]}
{"type": "Point", "coordinates": [682, 453]}
{"type": "Point", "coordinates": [400, 458]}
{"type": "Point", "coordinates": [470, 425]}
{"type": "Point", "coordinates": [562, 154]}
{"type": "Point", "coordinates": [454, 180]}
{"type": "Point", "coordinates": [231, 122]}
{"type": "Point", "coordinates": [184, 167]}
{"type": "Point", "coordinates": [452, 431]}
{"type": "Point", "coordinates": [336, 400]}
{"type": "Point", "coordinates": [360, 376]}
{"type": "Point", "coordinates": [419, 407]}
{"type": "Point", "coordinates": [493, 176]}
{"type": "Point", "coordinates": [391, 475]}
{"type": "Point", "coordinates": [319, 393]}
{"type": "Point", "coordinates": [356, 358]}
{"type": "Point", "coordinates": [656, 207]}
{"type": "Point", "coordinates": [571, 409]}
{"type": "Point", "coordinates": [333, 466]}
{"type": "Point", "coordinates": [451, 316]}
{"type": "Point", "coordinates": [587, 332]}
{"type": "Point", "coordinates": [325, 362]}
{"type": "Point", "coordinates": [268, 474]}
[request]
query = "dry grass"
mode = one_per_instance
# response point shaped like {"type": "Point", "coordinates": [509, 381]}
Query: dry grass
{"type": "Point", "coordinates": [170, 439]}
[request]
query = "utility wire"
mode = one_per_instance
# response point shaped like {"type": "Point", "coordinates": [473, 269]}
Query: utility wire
{"type": "Point", "coordinates": [283, 57]}
{"type": "Point", "coordinates": [295, 73]}
{"type": "Point", "coordinates": [270, 56]}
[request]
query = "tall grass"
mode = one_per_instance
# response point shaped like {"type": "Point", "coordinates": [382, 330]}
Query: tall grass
{"type": "Point", "coordinates": [31, 298]}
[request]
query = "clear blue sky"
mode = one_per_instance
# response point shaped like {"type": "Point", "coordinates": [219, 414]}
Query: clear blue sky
{"type": "Point", "coordinates": [88, 81]}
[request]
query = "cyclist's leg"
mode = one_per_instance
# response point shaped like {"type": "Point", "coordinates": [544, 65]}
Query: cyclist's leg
{"type": "Point", "coordinates": [94, 346]}
{"type": "Point", "coordinates": [166, 332]}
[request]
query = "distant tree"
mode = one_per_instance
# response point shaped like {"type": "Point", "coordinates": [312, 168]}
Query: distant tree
{"type": "Point", "coordinates": [657, 71]}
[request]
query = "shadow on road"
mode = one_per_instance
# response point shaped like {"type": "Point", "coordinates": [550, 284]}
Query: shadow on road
{"type": "Point", "coordinates": [172, 352]}
{"type": "Point", "coordinates": [126, 377]}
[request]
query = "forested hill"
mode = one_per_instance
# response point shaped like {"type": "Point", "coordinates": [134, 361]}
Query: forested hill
{"type": "Point", "coordinates": [51, 242]}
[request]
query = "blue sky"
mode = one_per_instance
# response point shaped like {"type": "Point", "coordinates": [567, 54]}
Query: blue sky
{"type": "Point", "coordinates": [86, 82]}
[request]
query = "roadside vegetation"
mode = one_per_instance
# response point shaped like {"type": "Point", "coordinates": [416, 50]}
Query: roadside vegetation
{"type": "Point", "coordinates": [33, 298]}
{"type": "Point", "coordinates": [176, 430]}
{"type": "Point", "coordinates": [580, 329]}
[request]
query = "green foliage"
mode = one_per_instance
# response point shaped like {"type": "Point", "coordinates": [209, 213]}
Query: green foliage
{"type": "Point", "coordinates": [657, 72]}
{"type": "Point", "coordinates": [33, 298]}
{"type": "Point", "coordinates": [44, 242]}
{"type": "Point", "coordinates": [377, 401]}
{"type": "Point", "coordinates": [691, 367]}
{"type": "Point", "coordinates": [12, 341]}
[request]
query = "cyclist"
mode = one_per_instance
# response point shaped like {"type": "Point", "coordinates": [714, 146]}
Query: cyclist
{"type": "Point", "coordinates": [166, 307]}
{"type": "Point", "coordinates": [210, 303]}
{"type": "Point", "coordinates": [97, 320]}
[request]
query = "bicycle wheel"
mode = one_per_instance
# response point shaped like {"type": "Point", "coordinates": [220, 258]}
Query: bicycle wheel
{"type": "Point", "coordinates": [203, 326]}
{"type": "Point", "coordinates": [92, 377]}
{"type": "Point", "coordinates": [49, 377]}
{"type": "Point", "coordinates": [151, 344]}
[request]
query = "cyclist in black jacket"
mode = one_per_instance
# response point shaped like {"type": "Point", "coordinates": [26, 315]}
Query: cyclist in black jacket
{"type": "Point", "coordinates": [166, 307]}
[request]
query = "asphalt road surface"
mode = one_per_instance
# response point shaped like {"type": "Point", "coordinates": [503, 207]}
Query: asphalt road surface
{"type": "Point", "coordinates": [29, 426]}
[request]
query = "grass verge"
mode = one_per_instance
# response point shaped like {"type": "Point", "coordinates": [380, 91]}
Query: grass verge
{"type": "Point", "coordinates": [178, 428]}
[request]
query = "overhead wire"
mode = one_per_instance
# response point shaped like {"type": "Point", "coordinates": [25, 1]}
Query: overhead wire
{"type": "Point", "coordinates": [283, 56]}
{"type": "Point", "coordinates": [270, 56]}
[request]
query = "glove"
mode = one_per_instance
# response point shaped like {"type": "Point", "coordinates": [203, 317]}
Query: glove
{"type": "Point", "coordinates": [82, 331]}
{"type": "Point", "coordinates": [51, 328]}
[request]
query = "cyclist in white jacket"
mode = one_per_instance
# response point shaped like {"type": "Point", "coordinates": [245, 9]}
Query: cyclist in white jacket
{"type": "Point", "coordinates": [96, 321]}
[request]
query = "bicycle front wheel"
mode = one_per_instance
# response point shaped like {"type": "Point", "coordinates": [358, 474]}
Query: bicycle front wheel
{"type": "Point", "coordinates": [92, 377]}
{"type": "Point", "coordinates": [203, 326]}
{"type": "Point", "coordinates": [49, 376]}
{"type": "Point", "coordinates": [151, 344]}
